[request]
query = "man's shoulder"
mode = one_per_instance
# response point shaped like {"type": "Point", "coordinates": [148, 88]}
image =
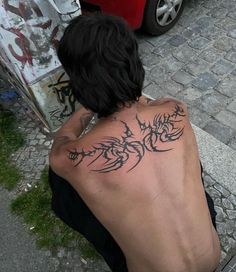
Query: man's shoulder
{"type": "Point", "coordinates": [167, 107]}
{"type": "Point", "coordinates": [168, 103]}
{"type": "Point", "coordinates": [62, 157]}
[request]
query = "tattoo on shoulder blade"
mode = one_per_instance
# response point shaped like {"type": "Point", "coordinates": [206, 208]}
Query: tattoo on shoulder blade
{"type": "Point", "coordinates": [117, 151]}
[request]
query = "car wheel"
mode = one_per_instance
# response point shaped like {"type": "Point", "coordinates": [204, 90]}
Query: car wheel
{"type": "Point", "coordinates": [161, 15]}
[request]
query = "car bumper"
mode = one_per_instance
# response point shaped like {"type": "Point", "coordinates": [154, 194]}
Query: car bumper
{"type": "Point", "coordinates": [132, 12]}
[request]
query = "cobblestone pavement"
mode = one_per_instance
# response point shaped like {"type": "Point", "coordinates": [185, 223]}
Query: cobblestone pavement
{"type": "Point", "coordinates": [194, 62]}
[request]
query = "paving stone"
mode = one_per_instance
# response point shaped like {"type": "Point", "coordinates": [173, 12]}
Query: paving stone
{"type": "Point", "coordinates": [223, 241]}
{"type": "Point", "coordinates": [212, 33]}
{"type": "Point", "coordinates": [231, 214]}
{"type": "Point", "coordinates": [223, 256]}
{"type": "Point", "coordinates": [221, 228]}
{"type": "Point", "coordinates": [218, 13]}
{"type": "Point", "coordinates": [177, 40]}
{"type": "Point", "coordinates": [38, 175]}
{"type": "Point", "coordinates": [233, 73]}
{"type": "Point", "coordinates": [146, 80]}
{"type": "Point", "coordinates": [171, 64]}
{"type": "Point", "coordinates": [232, 14]}
{"type": "Point", "coordinates": [222, 67]}
{"type": "Point", "coordinates": [222, 190]}
{"type": "Point", "coordinates": [230, 267]}
{"type": "Point", "coordinates": [188, 33]}
{"type": "Point", "coordinates": [221, 215]}
{"type": "Point", "coordinates": [205, 81]}
{"type": "Point", "coordinates": [213, 192]}
{"type": "Point", "coordinates": [182, 77]}
{"type": "Point", "coordinates": [185, 54]}
{"type": "Point", "coordinates": [206, 21]}
{"type": "Point", "coordinates": [159, 74]}
{"type": "Point", "coordinates": [227, 204]}
{"type": "Point", "coordinates": [40, 167]}
{"type": "Point", "coordinates": [40, 160]}
{"type": "Point", "coordinates": [196, 29]}
{"type": "Point", "coordinates": [211, 54]}
{"type": "Point", "coordinates": [61, 253]}
{"type": "Point", "coordinates": [213, 102]}
{"type": "Point", "coordinates": [229, 4]}
{"type": "Point", "coordinates": [145, 48]}
{"type": "Point", "coordinates": [219, 131]}
{"type": "Point", "coordinates": [227, 118]}
{"type": "Point", "coordinates": [230, 226]}
{"type": "Point", "coordinates": [232, 33]}
{"type": "Point", "coordinates": [224, 44]}
{"type": "Point", "coordinates": [41, 141]}
{"type": "Point", "coordinates": [185, 21]}
{"type": "Point", "coordinates": [33, 142]}
{"type": "Point", "coordinates": [232, 106]}
{"type": "Point", "coordinates": [157, 41]}
{"type": "Point", "coordinates": [31, 136]}
{"type": "Point", "coordinates": [198, 12]}
{"type": "Point", "coordinates": [189, 95]}
{"type": "Point", "coordinates": [40, 136]}
{"type": "Point", "coordinates": [232, 143]}
{"type": "Point", "coordinates": [227, 86]}
{"type": "Point", "coordinates": [196, 66]}
{"type": "Point", "coordinates": [231, 56]}
{"type": "Point", "coordinates": [164, 51]}
{"type": "Point", "coordinates": [209, 181]}
{"type": "Point", "coordinates": [217, 202]}
{"type": "Point", "coordinates": [230, 244]}
{"type": "Point", "coordinates": [198, 117]}
{"type": "Point", "coordinates": [150, 60]}
{"type": "Point", "coordinates": [15, 156]}
{"type": "Point", "coordinates": [44, 152]}
{"type": "Point", "coordinates": [177, 29]}
{"type": "Point", "coordinates": [225, 24]}
{"type": "Point", "coordinates": [172, 87]}
{"type": "Point", "coordinates": [210, 4]}
{"type": "Point", "coordinates": [198, 43]}
{"type": "Point", "coordinates": [154, 91]}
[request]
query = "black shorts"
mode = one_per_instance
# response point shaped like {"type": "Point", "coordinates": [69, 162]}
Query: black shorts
{"type": "Point", "coordinates": [71, 209]}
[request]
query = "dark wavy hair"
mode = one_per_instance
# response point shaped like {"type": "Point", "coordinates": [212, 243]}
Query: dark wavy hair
{"type": "Point", "coordinates": [99, 52]}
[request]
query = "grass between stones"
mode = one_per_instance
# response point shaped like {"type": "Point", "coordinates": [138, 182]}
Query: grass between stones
{"type": "Point", "coordinates": [11, 139]}
{"type": "Point", "coordinates": [35, 205]}
{"type": "Point", "coordinates": [51, 233]}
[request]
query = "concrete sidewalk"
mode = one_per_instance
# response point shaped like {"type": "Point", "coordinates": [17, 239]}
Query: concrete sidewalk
{"type": "Point", "coordinates": [18, 251]}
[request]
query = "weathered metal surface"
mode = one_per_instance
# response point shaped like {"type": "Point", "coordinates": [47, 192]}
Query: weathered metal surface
{"type": "Point", "coordinates": [29, 33]}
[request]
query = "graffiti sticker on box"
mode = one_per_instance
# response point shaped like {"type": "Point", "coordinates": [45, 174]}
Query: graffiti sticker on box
{"type": "Point", "coordinates": [30, 31]}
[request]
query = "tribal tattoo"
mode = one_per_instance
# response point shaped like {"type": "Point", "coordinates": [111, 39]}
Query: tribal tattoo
{"type": "Point", "coordinates": [116, 152]}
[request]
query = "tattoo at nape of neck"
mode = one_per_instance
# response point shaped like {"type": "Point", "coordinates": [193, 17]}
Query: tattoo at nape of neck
{"type": "Point", "coordinates": [116, 152]}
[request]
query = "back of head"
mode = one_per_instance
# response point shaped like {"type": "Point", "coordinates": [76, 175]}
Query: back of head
{"type": "Point", "coordinates": [100, 54]}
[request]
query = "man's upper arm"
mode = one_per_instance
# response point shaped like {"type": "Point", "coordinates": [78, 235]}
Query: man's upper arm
{"type": "Point", "coordinates": [58, 158]}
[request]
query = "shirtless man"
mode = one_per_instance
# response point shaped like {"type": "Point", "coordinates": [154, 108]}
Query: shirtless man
{"type": "Point", "coordinates": [138, 169]}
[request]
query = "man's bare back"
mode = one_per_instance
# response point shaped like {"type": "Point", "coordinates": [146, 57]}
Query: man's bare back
{"type": "Point", "coordinates": [138, 170]}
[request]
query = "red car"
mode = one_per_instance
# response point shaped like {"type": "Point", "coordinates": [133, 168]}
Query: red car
{"type": "Point", "coordinates": [156, 16]}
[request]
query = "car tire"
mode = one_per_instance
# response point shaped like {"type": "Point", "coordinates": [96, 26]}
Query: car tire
{"type": "Point", "coordinates": [156, 25]}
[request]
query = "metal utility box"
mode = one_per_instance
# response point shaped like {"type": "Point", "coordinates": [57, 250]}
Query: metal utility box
{"type": "Point", "coordinates": [29, 33]}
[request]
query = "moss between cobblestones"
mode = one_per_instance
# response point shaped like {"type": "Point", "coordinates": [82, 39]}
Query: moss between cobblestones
{"type": "Point", "coordinates": [10, 140]}
{"type": "Point", "coordinates": [51, 233]}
